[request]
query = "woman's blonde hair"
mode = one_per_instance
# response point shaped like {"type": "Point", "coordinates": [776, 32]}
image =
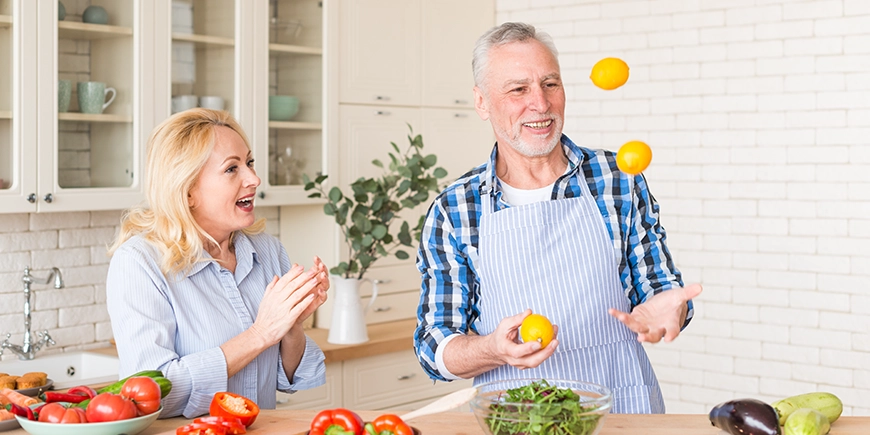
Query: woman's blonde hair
{"type": "Point", "coordinates": [177, 151]}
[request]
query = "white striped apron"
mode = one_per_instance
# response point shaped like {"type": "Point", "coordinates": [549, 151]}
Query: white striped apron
{"type": "Point", "coordinates": [557, 258]}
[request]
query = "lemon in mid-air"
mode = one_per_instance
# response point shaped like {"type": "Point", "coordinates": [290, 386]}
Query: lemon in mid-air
{"type": "Point", "coordinates": [633, 157]}
{"type": "Point", "coordinates": [536, 327]}
{"type": "Point", "coordinates": [609, 73]}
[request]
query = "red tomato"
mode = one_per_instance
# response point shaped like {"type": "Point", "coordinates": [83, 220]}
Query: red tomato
{"type": "Point", "coordinates": [110, 407]}
{"type": "Point", "coordinates": [57, 413]}
{"type": "Point", "coordinates": [232, 425]}
{"type": "Point", "coordinates": [144, 392]}
{"type": "Point", "coordinates": [226, 404]}
{"type": "Point", "coordinates": [201, 429]}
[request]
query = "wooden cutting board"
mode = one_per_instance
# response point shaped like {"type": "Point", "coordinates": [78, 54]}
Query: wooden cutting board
{"type": "Point", "coordinates": [283, 422]}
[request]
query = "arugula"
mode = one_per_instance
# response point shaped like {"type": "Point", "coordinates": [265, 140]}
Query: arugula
{"type": "Point", "coordinates": [540, 408]}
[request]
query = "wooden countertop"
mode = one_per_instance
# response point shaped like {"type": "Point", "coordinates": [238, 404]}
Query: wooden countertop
{"type": "Point", "coordinates": [292, 422]}
{"type": "Point", "coordinates": [383, 338]}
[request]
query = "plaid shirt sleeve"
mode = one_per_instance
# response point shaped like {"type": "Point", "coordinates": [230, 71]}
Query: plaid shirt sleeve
{"type": "Point", "coordinates": [450, 287]}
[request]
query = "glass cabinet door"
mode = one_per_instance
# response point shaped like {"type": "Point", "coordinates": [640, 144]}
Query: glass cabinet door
{"type": "Point", "coordinates": [7, 153]}
{"type": "Point", "coordinates": [203, 55]}
{"type": "Point", "coordinates": [95, 95]}
{"type": "Point", "coordinates": [295, 100]}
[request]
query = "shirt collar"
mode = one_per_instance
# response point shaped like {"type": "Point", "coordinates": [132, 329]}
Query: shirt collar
{"type": "Point", "coordinates": [575, 158]}
{"type": "Point", "coordinates": [246, 256]}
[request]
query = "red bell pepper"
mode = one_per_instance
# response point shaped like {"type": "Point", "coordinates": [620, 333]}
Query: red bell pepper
{"type": "Point", "coordinates": [201, 429]}
{"type": "Point", "coordinates": [226, 404]}
{"type": "Point", "coordinates": [337, 421]}
{"type": "Point", "coordinates": [232, 425]}
{"type": "Point", "coordinates": [388, 424]}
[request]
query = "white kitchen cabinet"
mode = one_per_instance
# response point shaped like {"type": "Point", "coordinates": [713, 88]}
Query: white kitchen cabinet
{"type": "Point", "coordinates": [391, 381]}
{"type": "Point", "coordinates": [150, 51]}
{"type": "Point", "coordinates": [449, 31]}
{"type": "Point", "coordinates": [73, 160]}
{"type": "Point", "coordinates": [380, 52]}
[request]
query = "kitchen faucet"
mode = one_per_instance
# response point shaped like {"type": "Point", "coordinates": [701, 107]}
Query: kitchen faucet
{"type": "Point", "coordinates": [27, 351]}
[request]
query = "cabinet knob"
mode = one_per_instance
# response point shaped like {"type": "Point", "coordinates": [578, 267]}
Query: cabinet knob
{"type": "Point", "coordinates": [460, 101]}
{"type": "Point", "coordinates": [460, 115]}
{"type": "Point", "coordinates": [48, 198]}
{"type": "Point", "coordinates": [382, 309]}
{"type": "Point", "coordinates": [382, 113]}
{"type": "Point", "coordinates": [382, 98]}
{"type": "Point", "coordinates": [262, 195]}
{"type": "Point", "coordinates": [31, 198]}
{"type": "Point", "coordinates": [406, 377]}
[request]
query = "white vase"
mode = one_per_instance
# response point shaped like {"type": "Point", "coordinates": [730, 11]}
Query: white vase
{"type": "Point", "coordinates": [348, 324]}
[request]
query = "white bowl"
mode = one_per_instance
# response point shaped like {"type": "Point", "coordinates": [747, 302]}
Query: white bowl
{"type": "Point", "coordinates": [131, 426]}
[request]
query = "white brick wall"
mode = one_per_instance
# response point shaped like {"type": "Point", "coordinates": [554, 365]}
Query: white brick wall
{"type": "Point", "coordinates": [75, 315]}
{"type": "Point", "coordinates": [757, 112]}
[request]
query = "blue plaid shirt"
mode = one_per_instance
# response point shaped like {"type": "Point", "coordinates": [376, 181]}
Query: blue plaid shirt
{"type": "Point", "coordinates": [448, 247]}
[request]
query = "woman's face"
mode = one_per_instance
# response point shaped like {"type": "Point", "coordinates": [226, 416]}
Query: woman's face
{"type": "Point", "coordinates": [222, 199]}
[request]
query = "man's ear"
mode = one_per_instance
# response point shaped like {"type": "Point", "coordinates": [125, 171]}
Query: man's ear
{"type": "Point", "coordinates": [480, 104]}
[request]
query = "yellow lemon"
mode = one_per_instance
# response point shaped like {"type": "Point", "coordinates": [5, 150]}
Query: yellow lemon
{"type": "Point", "coordinates": [609, 73]}
{"type": "Point", "coordinates": [633, 157]}
{"type": "Point", "coordinates": [536, 327]}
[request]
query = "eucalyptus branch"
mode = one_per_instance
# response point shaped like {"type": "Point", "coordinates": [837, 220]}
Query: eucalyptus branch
{"type": "Point", "coordinates": [367, 216]}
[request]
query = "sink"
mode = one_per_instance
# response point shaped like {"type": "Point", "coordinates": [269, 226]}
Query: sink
{"type": "Point", "coordinates": [68, 369]}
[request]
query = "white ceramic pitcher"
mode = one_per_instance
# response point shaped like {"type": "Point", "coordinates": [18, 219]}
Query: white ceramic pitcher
{"type": "Point", "coordinates": [348, 314]}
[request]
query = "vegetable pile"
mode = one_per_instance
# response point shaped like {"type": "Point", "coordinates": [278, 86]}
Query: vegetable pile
{"type": "Point", "coordinates": [540, 408]}
{"type": "Point", "coordinates": [342, 421]}
{"type": "Point", "coordinates": [133, 396]}
{"type": "Point", "coordinates": [229, 414]}
{"type": "Point", "coordinates": [804, 414]}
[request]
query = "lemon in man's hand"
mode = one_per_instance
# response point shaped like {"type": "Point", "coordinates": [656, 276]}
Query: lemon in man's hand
{"type": "Point", "coordinates": [609, 73]}
{"type": "Point", "coordinates": [536, 327]}
{"type": "Point", "coordinates": [633, 157]}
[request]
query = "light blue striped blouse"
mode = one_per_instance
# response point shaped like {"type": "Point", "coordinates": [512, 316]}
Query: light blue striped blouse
{"type": "Point", "coordinates": [178, 326]}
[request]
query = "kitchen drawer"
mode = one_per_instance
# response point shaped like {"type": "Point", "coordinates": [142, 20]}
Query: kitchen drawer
{"type": "Point", "coordinates": [384, 381]}
{"type": "Point", "coordinates": [421, 403]}
{"type": "Point", "coordinates": [394, 279]}
{"type": "Point", "coordinates": [326, 396]}
{"type": "Point", "coordinates": [388, 308]}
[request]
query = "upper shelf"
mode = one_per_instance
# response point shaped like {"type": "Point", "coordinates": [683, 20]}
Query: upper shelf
{"type": "Point", "coordinates": [93, 117]}
{"type": "Point", "coordinates": [295, 49]}
{"type": "Point", "coordinates": [204, 39]}
{"type": "Point", "coordinates": [5, 20]}
{"type": "Point", "coordinates": [284, 125]}
{"type": "Point", "coordinates": [76, 30]}
{"type": "Point", "coordinates": [5, 114]}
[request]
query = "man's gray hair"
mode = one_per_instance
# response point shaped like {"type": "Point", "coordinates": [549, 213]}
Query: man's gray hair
{"type": "Point", "coordinates": [505, 34]}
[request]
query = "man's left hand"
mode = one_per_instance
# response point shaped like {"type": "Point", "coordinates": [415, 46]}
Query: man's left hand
{"type": "Point", "coordinates": [661, 316]}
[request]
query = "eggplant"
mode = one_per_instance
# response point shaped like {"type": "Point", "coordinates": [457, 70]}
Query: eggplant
{"type": "Point", "coordinates": [745, 417]}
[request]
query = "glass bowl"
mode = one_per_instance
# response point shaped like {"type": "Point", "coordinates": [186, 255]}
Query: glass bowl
{"type": "Point", "coordinates": [130, 426]}
{"type": "Point", "coordinates": [536, 406]}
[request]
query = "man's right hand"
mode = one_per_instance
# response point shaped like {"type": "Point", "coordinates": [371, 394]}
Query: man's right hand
{"type": "Point", "coordinates": [467, 356]}
{"type": "Point", "coordinates": [505, 343]}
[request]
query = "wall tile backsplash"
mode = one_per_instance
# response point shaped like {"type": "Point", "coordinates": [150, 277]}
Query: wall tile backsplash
{"type": "Point", "coordinates": [76, 242]}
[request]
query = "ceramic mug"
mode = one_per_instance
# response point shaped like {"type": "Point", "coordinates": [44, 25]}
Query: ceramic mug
{"type": "Point", "coordinates": [211, 102]}
{"type": "Point", "coordinates": [92, 96]}
{"type": "Point", "coordinates": [64, 94]}
{"type": "Point", "coordinates": [180, 103]}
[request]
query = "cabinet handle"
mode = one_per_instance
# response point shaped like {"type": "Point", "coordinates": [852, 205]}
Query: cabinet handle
{"type": "Point", "coordinates": [282, 401]}
{"type": "Point", "coordinates": [406, 377]}
{"type": "Point", "coordinates": [382, 113]}
{"type": "Point", "coordinates": [460, 101]}
{"type": "Point", "coordinates": [381, 281]}
{"type": "Point", "coordinates": [48, 198]}
{"type": "Point", "coordinates": [382, 309]}
{"type": "Point", "coordinates": [382, 98]}
{"type": "Point", "coordinates": [31, 198]}
{"type": "Point", "coordinates": [460, 115]}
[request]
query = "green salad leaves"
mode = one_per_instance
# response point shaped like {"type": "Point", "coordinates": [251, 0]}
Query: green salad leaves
{"type": "Point", "coordinates": [540, 408]}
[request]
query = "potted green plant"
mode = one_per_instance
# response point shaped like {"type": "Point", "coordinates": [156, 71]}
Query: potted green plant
{"type": "Point", "coordinates": [370, 221]}
{"type": "Point", "coordinates": [369, 216]}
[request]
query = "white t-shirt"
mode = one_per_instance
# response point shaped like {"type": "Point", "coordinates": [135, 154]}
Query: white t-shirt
{"type": "Point", "coordinates": [517, 197]}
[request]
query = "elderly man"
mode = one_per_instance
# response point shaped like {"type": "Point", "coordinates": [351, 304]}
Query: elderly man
{"type": "Point", "coordinates": [549, 227]}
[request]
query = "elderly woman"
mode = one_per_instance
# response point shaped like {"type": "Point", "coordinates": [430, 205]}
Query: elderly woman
{"type": "Point", "coordinates": [196, 289]}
